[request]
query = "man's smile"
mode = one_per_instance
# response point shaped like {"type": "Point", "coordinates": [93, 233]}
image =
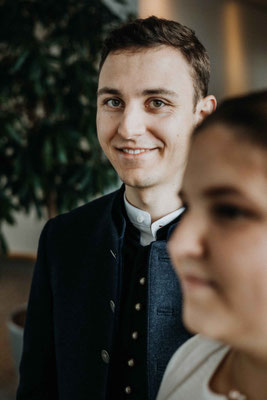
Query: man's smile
{"type": "Point", "coordinates": [134, 151]}
{"type": "Point", "coordinates": [130, 152]}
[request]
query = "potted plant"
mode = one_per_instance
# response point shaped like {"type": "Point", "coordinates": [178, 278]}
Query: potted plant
{"type": "Point", "coordinates": [48, 77]}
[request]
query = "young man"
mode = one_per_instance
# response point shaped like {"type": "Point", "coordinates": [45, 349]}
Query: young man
{"type": "Point", "coordinates": [104, 311]}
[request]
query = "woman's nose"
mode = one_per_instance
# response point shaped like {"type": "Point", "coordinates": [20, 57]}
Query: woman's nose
{"type": "Point", "coordinates": [188, 238]}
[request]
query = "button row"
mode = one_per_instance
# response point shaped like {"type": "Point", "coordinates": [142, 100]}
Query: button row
{"type": "Point", "coordinates": [138, 306]}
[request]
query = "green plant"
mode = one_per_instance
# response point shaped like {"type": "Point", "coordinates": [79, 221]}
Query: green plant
{"type": "Point", "coordinates": [7, 205]}
{"type": "Point", "coordinates": [48, 77]}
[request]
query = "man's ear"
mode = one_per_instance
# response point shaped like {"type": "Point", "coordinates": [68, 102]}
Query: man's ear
{"type": "Point", "coordinates": [205, 107]}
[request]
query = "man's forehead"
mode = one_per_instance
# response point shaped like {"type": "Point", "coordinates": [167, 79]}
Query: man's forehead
{"type": "Point", "coordinates": [133, 50]}
{"type": "Point", "coordinates": [148, 70]}
{"type": "Point", "coordinates": [156, 53]}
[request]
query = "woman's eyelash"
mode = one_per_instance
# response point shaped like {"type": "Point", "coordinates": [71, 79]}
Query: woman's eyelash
{"type": "Point", "coordinates": [230, 211]}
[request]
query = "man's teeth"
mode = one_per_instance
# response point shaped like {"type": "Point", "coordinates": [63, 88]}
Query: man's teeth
{"type": "Point", "coordinates": [130, 151]}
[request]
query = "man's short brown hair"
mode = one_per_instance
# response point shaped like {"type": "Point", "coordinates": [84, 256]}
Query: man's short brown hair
{"type": "Point", "coordinates": [151, 32]}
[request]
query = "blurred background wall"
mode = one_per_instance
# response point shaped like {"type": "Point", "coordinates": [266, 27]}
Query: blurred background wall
{"type": "Point", "coordinates": [234, 33]}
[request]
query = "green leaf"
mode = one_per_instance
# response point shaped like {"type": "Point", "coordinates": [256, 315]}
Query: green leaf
{"type": "Point", "coordinates": [20, 61]}
{"type": "Point", "coordinates": [47, 155]}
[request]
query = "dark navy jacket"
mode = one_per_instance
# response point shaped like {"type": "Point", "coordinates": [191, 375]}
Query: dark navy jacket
{"type": "Point", "coordinates": [71, 316]}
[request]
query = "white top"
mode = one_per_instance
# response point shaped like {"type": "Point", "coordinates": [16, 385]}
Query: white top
{"type": "Point", "coordinates": [190, 369]}
{"type": "Point", "coordinates": [142, 221]}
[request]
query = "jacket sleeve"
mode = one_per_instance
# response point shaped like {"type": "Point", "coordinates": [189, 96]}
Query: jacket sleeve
{"type": "Point", "coordinates": [38, 376]}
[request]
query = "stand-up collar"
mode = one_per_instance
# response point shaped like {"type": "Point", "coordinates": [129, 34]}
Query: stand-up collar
{"type": "Point", "coordinates": [142, 221]}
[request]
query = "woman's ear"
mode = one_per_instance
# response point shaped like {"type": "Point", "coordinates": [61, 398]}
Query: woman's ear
{"type": "Point", "coordinates": [204, 107]}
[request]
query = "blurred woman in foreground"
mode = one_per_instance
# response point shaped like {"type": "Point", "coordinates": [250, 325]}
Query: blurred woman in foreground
{"type": "Point", "coordinates": [220, 253]}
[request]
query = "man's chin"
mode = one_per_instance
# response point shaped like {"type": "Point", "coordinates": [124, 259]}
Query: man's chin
{"type": "Point", "coordinates": [137, 183]}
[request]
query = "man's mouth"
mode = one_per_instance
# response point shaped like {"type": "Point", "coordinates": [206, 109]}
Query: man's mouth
{"type": "Point", "coordinates": [134, 151]}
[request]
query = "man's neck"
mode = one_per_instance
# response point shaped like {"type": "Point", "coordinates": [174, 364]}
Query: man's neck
{"type": "Point", "coordinates": [157, 201]}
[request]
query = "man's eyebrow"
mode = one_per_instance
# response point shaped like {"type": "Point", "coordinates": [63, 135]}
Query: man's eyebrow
{"type": "Point", "coordinates": [145, 92]}
{"type": "Point", "coordinates": [108, 90]}
{"type": "Point", "coordinates": [159, 91]}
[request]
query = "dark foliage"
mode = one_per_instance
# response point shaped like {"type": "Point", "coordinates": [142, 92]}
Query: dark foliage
{"type": "Point", "coordinates": [49, 154]}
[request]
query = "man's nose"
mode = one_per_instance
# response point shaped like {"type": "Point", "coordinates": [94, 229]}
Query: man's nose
{"type": "Point", "coordinates": [189, 239]}
{"type": "Point", "coordinates": [132, 123]}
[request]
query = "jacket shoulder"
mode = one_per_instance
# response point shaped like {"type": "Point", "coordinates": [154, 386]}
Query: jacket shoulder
{"type": "Point", "coordinates": [89, 216]}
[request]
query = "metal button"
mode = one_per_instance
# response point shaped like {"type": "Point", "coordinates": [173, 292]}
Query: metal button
{"type": "Point", "coordinates": [142, 281]}
{"type": "Point", "coordinates": [138, 306]}
{"type": "Point", "coordinates": [131, 362]}
{"type": "Point", "coordinates": [128, 390]}
{"type": "Point", "coordinates": [105, 356]}
{"type": "Point", "coordinates": [135, 335]}
{"type": "Point", "coordinates": [112, 305]}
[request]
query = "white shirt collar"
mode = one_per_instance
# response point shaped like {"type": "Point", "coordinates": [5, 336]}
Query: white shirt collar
{"type": "Point", "coordinates": [142, 221]}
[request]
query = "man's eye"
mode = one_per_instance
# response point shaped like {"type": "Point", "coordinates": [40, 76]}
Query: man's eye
{"type": "Point", "coordinates": [156, 103]}
{"type": "Point", "coordinates": [113, 103]}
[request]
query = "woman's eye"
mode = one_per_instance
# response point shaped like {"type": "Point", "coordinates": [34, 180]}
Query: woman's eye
{"type": "Point", "coordinates": [230, 212]}
{"type": "Point", "coordinates": [113, 103]}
